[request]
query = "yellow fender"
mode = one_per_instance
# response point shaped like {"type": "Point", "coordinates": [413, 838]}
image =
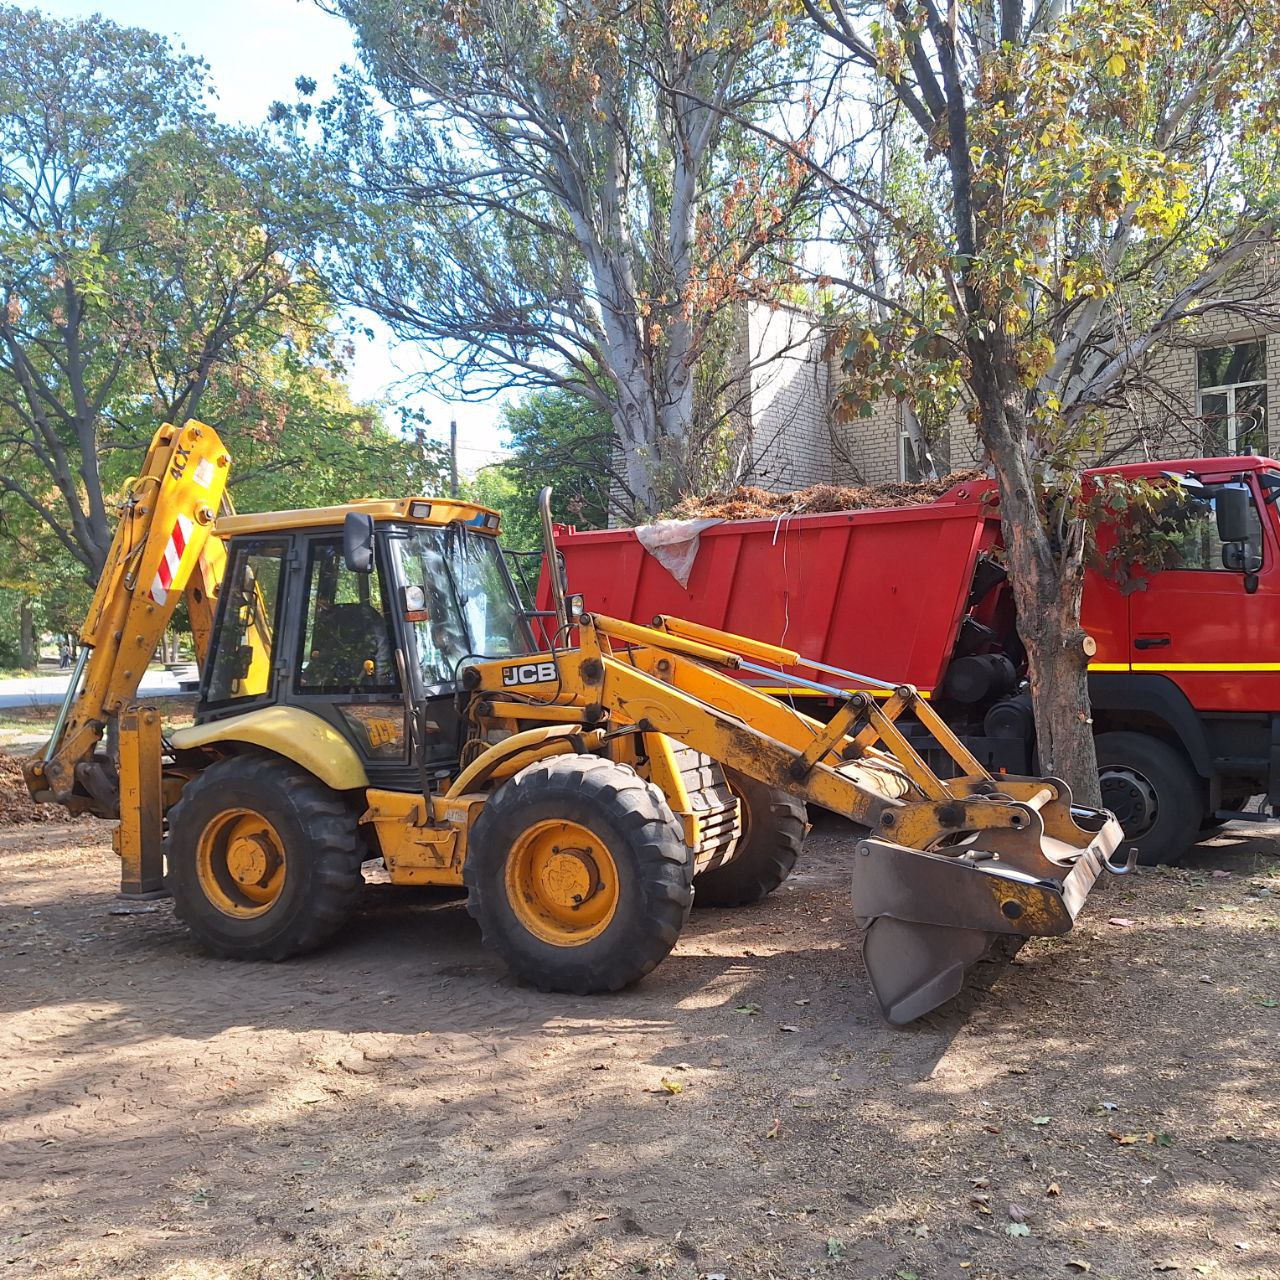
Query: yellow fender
{"type": "Point", "coordinates": [290, 732]}
{"type": "Point", "coordinates": [520, 749]}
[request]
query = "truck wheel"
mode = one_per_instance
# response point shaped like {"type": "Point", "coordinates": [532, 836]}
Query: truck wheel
{"type": "Point", "coordinates": [578, 873]}
{"type": "Point", "coordinates": [1155, 793]}
{"type": "Point", "coordinates": [264, 859]}
{"type": "Point", "coordinates": [773, 829]}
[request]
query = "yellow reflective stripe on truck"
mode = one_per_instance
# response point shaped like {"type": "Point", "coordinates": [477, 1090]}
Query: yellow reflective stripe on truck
{"type": "Point", "coordinates": [1184, 666]}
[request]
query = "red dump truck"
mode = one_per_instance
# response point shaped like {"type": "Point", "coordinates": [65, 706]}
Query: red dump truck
{"type": "Point", "coordinates": [1185, 683]}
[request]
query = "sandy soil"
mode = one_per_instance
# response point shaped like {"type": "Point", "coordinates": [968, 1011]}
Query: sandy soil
{"type": "Point", "coordinates": [396, 1106]}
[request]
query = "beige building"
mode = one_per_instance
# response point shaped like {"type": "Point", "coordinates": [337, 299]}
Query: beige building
{"type": "Point", "coordinates": [1207, 390]}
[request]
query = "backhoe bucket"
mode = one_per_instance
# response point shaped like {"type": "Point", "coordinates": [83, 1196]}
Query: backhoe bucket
{"type": "Point", "coordinates": [929, 916]}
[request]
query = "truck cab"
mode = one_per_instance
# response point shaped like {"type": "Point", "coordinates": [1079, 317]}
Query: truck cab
{"type": "Point", "coordinates": [1185, 684]}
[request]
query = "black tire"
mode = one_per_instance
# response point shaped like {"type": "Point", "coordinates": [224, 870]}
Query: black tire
{"type": "Point", "coordinates": [1153, 790]}
{"type": "Point", "coordinates": [652, 873]}
{"type": "Point", "coordinates": [322, 847]}
{"type": "Point", "coordinates": [774, 824]}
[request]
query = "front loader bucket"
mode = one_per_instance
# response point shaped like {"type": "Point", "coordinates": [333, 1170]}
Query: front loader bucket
{"type": "Point", "coordinates": [930, 916]}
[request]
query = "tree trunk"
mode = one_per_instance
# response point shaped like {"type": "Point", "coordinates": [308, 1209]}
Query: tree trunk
{"type": "Point", "coordinates": [28, 656]}
{"type": "Point", "coordinates": [1048, 582]}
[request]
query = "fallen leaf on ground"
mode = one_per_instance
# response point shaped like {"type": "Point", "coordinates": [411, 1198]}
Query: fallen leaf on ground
{"type": "Point", "coordinates": [1017, 1213]}
{"type": "Point", "coordinates": [1053, 1189]}
{"type": "Point", "coordinates": [775, 1129]}
{"type": "Point", "coordinates": [835, 1248]}
{"type": "Point", "coordinates": [671, 1086]}
{"type": "Point", "coordinates": [1041, 1119]}
{"type": "Point", "coordinates": [1017, 1229]}
{"type": "Point", "coordinates": [1122, 922]}
{"type": "Point", "coordinates": [1079, 1264]}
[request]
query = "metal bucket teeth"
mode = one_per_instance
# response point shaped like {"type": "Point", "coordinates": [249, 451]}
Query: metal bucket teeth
{"type": "Point", "coordinates": [930, 916]}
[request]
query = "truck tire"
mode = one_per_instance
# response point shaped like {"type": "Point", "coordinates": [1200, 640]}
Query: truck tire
{"type": "Point", "coordinates": [264, 859]}
{"type": "Point", "coordinates": [578, 874]}
{"type": "Point", "coordinates": [1153, 790]}
{"type": "Point", "coordinates": [773, 829]}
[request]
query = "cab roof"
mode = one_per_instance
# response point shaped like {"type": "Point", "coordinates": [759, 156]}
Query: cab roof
{"type": "Point", "coordinates": [424, 511]}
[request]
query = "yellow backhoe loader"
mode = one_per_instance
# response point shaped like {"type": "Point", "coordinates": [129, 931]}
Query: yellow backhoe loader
{"type": "Point", "coordinates": [372, 687]}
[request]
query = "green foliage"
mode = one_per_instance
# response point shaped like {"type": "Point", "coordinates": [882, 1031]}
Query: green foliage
{"type": "Point", "coordinates": [147, 255]}
{"type": "Point", "coordinates": [1138, 526]}
{"type": "Point", "coordinates": [501, 487]}
{"type": "Point", "coordinates": [559, 441]}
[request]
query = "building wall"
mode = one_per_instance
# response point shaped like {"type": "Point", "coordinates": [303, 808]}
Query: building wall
{"type": "Point", "coordinates": [784, 411]}
{"type": "Point", "coordinates": [794, 440]}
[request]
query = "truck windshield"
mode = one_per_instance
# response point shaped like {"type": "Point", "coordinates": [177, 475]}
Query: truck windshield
{"type": "Point", "coordinates": [458, 598]}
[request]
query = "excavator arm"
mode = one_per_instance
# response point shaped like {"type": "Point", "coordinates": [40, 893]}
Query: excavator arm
{"type": "Point", "coordinates": [161, 550]}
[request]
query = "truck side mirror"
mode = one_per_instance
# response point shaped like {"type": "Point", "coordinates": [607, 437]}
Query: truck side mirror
{"type": "Point", "coordinates": [1231, 510]}
{"type": "Point", "coordinates": [357, 542]}
{"type": "Point", "coordinates": [1241, 558]}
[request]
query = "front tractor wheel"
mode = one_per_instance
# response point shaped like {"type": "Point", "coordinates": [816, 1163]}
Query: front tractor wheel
{"type": "Point", "coordinates": [578, 874]}
{"type": "Point", "coordinates": [264, 859]}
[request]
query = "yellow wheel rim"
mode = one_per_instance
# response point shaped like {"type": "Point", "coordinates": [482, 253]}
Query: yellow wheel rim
{"type": "Point", "coordinates": [562, 883]}
{"type": "Point", "coordinates": [241, 864]}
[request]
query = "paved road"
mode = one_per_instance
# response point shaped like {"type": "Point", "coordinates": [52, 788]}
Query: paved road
{"type": "Point", "coordinates": [33, 691]}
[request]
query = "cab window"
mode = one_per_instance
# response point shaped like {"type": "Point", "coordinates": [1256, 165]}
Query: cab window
{"type": "Point", "coordinates": [459, 599]}
{"type": "Point", "coordinates": [346, 637]}
{"type": "Point", "coordinates": [244, 647]}
{"type": "Point", "coordinates": [1192, 529]}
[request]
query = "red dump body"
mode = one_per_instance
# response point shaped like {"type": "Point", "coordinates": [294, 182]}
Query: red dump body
{"type": "Point", "coordinates": [1191, 660]}
{"type": "Point", "coordinates": [880, 592]}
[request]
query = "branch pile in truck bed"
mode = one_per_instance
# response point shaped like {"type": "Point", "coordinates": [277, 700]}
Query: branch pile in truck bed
{"type": "Point", "coordinates": [750, 503]}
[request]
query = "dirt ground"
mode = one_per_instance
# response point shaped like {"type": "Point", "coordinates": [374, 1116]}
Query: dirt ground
{"type": "Point", "coordinates": [396, 1106]}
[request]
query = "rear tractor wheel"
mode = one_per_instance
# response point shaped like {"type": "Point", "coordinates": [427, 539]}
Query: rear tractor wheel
{"type": "Point", "coordinates": [578, 874]}
{"type": "Point", "coordinates": [264, 859]}
{"type": "Point", "coordinates": [773, 829]}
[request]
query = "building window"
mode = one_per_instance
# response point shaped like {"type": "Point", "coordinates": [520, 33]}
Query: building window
{"type": "Point", "coordinates": [1232, 396]}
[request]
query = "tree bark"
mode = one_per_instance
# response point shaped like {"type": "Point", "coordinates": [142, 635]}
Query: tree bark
{"type": "Point", "coordinates": [1047, 576]}
{"type": "Point", "coordinates": [27, 654]}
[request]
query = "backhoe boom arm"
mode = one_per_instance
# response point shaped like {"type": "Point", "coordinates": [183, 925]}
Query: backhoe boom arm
{"type": "Point", "coordinates": [161, 549]}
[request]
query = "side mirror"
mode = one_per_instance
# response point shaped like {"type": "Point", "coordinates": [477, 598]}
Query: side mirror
{"type": "Point", "coordinates": [1231, 510]}
{"type": "Point", "coordinates": [357, 542]}
{"type": "Point", "coordinates": [1240, 558]}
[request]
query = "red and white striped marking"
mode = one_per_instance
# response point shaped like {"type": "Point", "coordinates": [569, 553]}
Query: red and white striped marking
{"type": "Point", "coordinates": [169, 562]}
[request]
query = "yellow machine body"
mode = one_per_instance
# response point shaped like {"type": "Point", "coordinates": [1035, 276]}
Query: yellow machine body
{"type": "Point", "coordinates": [648, 720]}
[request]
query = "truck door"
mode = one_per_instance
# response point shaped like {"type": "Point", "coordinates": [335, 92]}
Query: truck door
{"type": "Point", "coordinates": [1197, 623]}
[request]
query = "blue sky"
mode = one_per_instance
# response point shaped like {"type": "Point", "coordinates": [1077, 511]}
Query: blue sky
{"type": "Point", "coordinates": [255, 50]}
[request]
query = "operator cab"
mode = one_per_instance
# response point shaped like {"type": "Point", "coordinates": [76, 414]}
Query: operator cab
{"type": "Point", "coordinates": [364, 617]}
